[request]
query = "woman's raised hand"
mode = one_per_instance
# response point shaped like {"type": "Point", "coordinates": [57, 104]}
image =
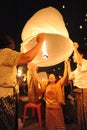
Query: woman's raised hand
{"type": "Point", "coordinates": [40, 37]}
{"type": "Point", "coordinates": [75, 45]}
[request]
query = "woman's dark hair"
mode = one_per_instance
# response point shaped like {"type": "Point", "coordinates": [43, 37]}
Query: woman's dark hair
{"type": "Point", "coordinates": [4, 40]}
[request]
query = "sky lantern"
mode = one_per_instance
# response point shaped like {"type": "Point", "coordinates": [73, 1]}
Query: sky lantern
{"type": "Point", "coordinates": [43, 76]}
{"type": "Point", "coordinates": [57, 46]}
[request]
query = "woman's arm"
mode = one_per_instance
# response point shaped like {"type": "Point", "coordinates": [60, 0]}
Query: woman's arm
{"type": "Point", "coordinates": [63, 80]}
{"type": "Point", "coordinates": [30, 55]}
{"type": "Point", "coordinates": [34, 70]}
{"type": "Point", "coordinates": [69, 67]}
{"type": "Point", "coordinates": [76, 52]}
{"type": "Point", "coordinates": [70, 72]}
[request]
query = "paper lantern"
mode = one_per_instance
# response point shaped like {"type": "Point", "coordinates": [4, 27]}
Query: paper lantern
{"type": "Point", "coordinates": [43, 76]}
{"type": "Point", "coordinates": [57, 45]}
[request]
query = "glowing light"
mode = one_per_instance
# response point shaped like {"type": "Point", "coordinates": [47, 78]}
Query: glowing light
{"type": "Point", "coordinates": [63, 6]}
{"type": "Point", "coordinates": [24, 77]}
{"type": "Point", "coordinates": [84, 38]}
{"type": "Point", "coordinates": [42, 80]}
{"type": "Point", "coordinates": [85, 19]}
{"type": "Point", "coordinates": [54, 70]}
{"type": "Point", "coordinates": [81, 27]}
{"type": "Point", "coordinates": [67, 24]}
{"type": "Point", "coordinates": [50, 21]}
{"type": "Point", "coordinates": [39, 86]}
{"type": "Point", "coordinates": [58, 68]}
{"type": "Point", "coordinates": [43, 76]}
{"type": "Point", "coordinates": [44, 51]}
{"type": "Point", "coordinates": [19, 73]}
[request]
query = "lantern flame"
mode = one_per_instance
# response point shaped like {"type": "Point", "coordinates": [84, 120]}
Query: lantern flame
{"type": "Point", "coordinates": [44, 51]}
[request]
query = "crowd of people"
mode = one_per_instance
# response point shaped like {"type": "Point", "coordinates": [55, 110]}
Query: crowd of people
{"type": "Point", "coordinates": [53, 90]}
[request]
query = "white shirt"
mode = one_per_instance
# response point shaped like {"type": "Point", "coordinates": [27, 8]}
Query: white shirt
{"type": "Point", "coordinates": [79, 75]}
{"type": "Point", "coordinates": [8, 70]}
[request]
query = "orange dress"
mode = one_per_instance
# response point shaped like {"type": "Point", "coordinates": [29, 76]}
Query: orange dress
{"type": "Point", "coordinates": [54, 114]}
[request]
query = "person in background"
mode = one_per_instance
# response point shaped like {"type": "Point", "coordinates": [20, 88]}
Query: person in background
{"type": "Point", "coordinates": [53, 96]}
{"type": "Point", "coordinates": [79, 78]}
{"type": "Point", "coordinates": [9, 60]}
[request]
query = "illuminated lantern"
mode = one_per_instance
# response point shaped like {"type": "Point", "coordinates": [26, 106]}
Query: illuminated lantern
{"type": "Point", "coordinates": [43, 76]}
{"type": "Point", "coordinates": [57, 46]}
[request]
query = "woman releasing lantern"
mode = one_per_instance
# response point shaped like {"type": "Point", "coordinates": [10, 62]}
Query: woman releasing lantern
{"type": "Point", "coordinates": [53, 96]}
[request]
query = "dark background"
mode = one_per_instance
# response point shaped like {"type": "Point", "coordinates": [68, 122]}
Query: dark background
{"type": "Point", "coordinates": [15, 13]}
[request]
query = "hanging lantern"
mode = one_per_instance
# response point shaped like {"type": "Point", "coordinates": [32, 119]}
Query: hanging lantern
{"type": "Point", "coordinates": [57, 46]}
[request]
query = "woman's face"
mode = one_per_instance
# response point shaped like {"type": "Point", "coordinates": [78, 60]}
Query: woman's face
{"type": "Point", "coordinates": [52, 78]}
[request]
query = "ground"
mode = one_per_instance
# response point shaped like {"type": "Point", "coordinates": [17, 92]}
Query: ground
{"type": "Point", "coordinates": [70, 115]}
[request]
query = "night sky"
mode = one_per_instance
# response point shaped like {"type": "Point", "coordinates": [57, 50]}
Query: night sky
{"type": "Point", "coordinates": [15, 13]}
